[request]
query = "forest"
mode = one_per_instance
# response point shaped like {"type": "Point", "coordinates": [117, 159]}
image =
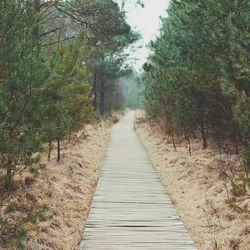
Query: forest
{"type": "Point", "coordinates": [197, 79]}
{"type": "Point", "coordinates": [66, 78]}
{"type": "Point", "coordinates": [197, 93]}
{"type": "Point", "coordinates": [60, 65]}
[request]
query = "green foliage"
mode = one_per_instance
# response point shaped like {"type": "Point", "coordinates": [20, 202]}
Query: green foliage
{"type": "Point", "coordinates": [22, 76]}
{"type": "Point", "coordinates": [106, 61]}
{"type": "Point", "coordinates": [197, 78]}
{"type": "Point", "coordinates": [68, 98]}
{"type": "Point", "coordinates": [14, 230]}
{"type": "Point", "coordinates": [198, 75]}
{"type": "Point", "coordinates": [49, 53]}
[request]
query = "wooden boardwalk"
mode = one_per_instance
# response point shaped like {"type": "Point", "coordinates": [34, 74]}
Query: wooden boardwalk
{"type": "Point", "coordinates": [131, 209]}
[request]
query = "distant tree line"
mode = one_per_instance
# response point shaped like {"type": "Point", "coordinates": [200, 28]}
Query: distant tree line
{"type": "Point", "coordinates": [132, 89]}
{"type": "Point", "coordinates": [197, 79]}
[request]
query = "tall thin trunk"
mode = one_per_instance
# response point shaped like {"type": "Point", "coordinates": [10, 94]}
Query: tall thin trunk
{"type": "Point", "coordinates": [37, 8]}
{"type": "Point", "coordinates": [102, 98]}
{"type": "Point", "coordinates": [173, 141]}
{"type": "Point", "coordinates": [204, 136]}
{"type": "Point", "coordinates": [58, 150]}
{"type": "Point", "coordinates": [189, 144]}
{"type": "Point", "coordinates": [95, 90]}
{"type": "Point", "coordinates": [8, 177]}
{"type": "Point", "coordinates": [50, 148]}
{"type": "Point", "coordinates": [70, 137]}
{"type": "Point", "coordinates": [236, 147]}
{"type": "Point", "coordinates": [247, 160]}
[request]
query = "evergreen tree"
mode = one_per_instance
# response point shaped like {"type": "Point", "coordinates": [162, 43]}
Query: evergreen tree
{"type": "Point", "coordinates": [198, 76]}
{"type": "Point", "coordinates": [46, 54]}
{"type": "Point", "coordinates": [22, 76]}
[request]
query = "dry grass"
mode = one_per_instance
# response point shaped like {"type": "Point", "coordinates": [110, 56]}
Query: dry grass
{"type": "Point", "coordinates": [67, 190]}
{"type": "Point", "coordinates": [198, 190]}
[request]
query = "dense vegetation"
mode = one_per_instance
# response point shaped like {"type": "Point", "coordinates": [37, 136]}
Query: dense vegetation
{"type": "Point", "coordinates": [58, 64]}
{"type": "Point", "coordinates": [197, 79]}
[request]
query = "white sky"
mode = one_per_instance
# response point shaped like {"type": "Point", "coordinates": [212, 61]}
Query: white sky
{"type": "Point", "coordinates": [147, 22]}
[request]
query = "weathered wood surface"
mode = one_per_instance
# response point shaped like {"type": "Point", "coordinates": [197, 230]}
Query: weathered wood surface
{"type": "Point", "coordinates": [131, 209]}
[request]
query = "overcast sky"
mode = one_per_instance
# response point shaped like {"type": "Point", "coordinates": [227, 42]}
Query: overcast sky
{"type": "Point", "coordinates": [147, 22]}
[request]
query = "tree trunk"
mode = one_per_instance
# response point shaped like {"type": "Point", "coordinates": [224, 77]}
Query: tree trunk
{"type": "Point", "coordinates": [204, 136]}
{"type": "Point", "coordinates": [102, 98]}
{"type": "Point", "coordinates": [95, 91]}
{"type": "Point", "coordinates": [37, 8]}
{"type": "Point", "coordinates": [247, 160]}
{"type": "Point", "coordinates": [8, 177]}
{"type": "Point", "coordinates": [58, 150]}
{"type": "Point", "coordinates": [50, 148]}
{"type": "Point", "coordinates": [70, 137]}
{"type": "Point", "coordinates": [189, 144]}
{"type": "Point", "coordinates": [173, 141]}
{"type": "Point", "coordinates": [236, 147]}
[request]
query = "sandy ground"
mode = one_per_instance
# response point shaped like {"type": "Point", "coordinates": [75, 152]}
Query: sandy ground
{"type": "Point", "coordinates": [66, 189]}
{"type": "Point", "coordinates": [197, 189]}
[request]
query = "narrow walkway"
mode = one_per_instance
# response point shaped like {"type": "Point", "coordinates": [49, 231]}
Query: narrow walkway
{"type": "Point", "coordinates": [131, 209]}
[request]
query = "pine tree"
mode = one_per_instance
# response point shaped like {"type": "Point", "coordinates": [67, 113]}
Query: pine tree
{"type": "Point", "coordinates": [198, 73]}
{"type": "Point", "coordinates": [22, 73]}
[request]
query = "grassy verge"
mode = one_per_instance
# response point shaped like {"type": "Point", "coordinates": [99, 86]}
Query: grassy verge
{"type": "Point", "coordinates": [199, 188]}
{"type": "Point", "coordinates": [48, 210]}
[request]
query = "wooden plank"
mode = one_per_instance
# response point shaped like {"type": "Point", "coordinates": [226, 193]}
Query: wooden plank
{"type": "Point", "coordinates": [131, 209]}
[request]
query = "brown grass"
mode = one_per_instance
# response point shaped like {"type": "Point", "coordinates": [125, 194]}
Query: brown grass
{"type": "Point", "coordinates": [67, 190]}
{"type": "Point", "coordinates": [198, 189]}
